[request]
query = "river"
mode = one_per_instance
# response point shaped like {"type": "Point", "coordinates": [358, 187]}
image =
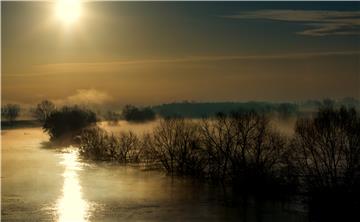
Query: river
{"type": "Point", "coordinates": [41, 183]}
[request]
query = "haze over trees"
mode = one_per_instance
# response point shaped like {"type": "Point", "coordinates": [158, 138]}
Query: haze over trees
{"type": "Point", "coordinates": [10, 112]}
{"type": "Point", "coordinates": [199, 110]}
{"type": "Point", "coordinates": [112, 117]}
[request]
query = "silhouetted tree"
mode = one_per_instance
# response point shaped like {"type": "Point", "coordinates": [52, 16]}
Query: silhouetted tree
{"type": "Point", "coordinates": [242, 147]}
{"type": "Point", "coordinates": [93, 143]}
{"type": "Point", "coordinates": [134, 114]}
{"type": "Point", "coordinates": [328, 150]}
{"type": "Point", "coordinates": [175, 144]}
{"type": "Point", "coordinates": [127, 149]}
{"type": "Point", "coordinates": [43, 110]}
{"type": "Point", "coordinates": [10, 112]}
{"type": "Point", "coordinates": [68, 121]}
{"type": "Point", "coordinates": [97, 144]}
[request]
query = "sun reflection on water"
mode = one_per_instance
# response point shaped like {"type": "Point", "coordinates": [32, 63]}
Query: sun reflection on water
{"type": "Point", "coordinates": [71, 206]}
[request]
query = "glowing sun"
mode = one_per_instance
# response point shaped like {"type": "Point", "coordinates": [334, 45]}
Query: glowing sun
{"type": "Point", "coordinates": [68, 11]}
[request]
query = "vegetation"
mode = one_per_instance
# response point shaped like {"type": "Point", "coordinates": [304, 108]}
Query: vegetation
{"type": "Point", "coordinates": [134, 114]}
{"type": "Point", "coordinates": [327, 150]}
{"type": "Point", "coordinates": [243, 149]}
{"type": "Point", "coordinates": [68, 122]}
{"type": "Point", "coordinates": [175, 144]}
{"type": "Point", "coordinates": [10, 112]}
{"type": "Point", "coordinates": [326, 156]}
{"type": "Point", "coordinates": [200, 110]}
{"type": "Point", "coordinates": [43, 110]}
{"type": "Point", "coordinates": [96, 144]}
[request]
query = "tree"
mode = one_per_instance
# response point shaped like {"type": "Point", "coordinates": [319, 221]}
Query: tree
{"type": "Point", "coordinates": [68, 121]}
{"type": "Point", "coordinates": [134, 114]}
{"type": "Point", "coordinates": [10, 112]}
{"type": "Point", "coordinates": [242, 147]}
{"type": "Point", "coordinates": [328, 150]}
{"type": "Point", "coordinates": [43, 110]}
{"type": "Point", "coordinates": [175, 144]}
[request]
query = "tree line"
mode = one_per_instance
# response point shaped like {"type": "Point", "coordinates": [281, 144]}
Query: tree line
{"type": "Point", "coordinates": [10, 112]}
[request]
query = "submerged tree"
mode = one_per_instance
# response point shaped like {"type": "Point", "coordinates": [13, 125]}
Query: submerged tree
{"type": "Point", "coordinates": [242, 147]}
{"type": "Point", "coordinates": [97, 144]}
{"type": "Point", "coordinates": [328, 150]}
{"type": "Point", "coordinates": [175, 144]}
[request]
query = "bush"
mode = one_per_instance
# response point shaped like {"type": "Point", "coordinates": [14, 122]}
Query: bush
{"type": "Point", "coordinates": [68, 122]}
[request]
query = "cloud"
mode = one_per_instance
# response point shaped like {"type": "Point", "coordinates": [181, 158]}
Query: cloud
{"type": "Point", "coordinates": [114, 66]}
{"type": "Point", "coordinates": [319, 23]}
{"type": "Point", "coordinates": [87, 97]}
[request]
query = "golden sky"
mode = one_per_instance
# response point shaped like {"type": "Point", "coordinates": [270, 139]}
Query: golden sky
{"type": "Point", "coordinates": [149, 53]}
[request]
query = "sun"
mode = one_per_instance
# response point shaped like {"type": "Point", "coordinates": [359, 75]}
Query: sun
{"type": "Point", "coordinates": [68, 11]}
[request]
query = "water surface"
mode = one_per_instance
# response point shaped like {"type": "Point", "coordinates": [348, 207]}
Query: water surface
{"type": "Point", "coordinates": [42, 183]}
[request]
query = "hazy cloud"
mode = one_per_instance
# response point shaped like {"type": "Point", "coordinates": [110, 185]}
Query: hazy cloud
{"type": "Point", "coordinates": [86, 97]}
{"type": "Point", "coordinates": [48, 69]}
{"type": "Point", "coordinates": [114, 66]}
{"type": "Point", "coordinates": [319, 23]}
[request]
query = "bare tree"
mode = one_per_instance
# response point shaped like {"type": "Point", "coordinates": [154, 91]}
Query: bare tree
{"type": "Point", "coordinates": [43, 110]}
{"type": "Point", "coordinates": [328, 149]}
{"type": "Point", "coordinates": [175, 144]}
{"type": "Point", "coordinates": [240, 146]}
{"type": "Point", "coordinates": [127, 150]}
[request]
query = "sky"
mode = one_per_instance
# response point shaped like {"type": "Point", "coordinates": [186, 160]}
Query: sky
{"type": "Point", "coordinates": [147, 53]}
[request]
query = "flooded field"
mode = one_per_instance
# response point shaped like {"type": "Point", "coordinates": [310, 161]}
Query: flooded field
{"type": "Point", "coordinates": [41, 183]}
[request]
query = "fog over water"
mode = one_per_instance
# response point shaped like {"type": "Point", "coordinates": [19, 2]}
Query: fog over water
{"type": "Point", "coordinates": [43, 183]}
{"type": "Point", "coordinates": [284, 126]}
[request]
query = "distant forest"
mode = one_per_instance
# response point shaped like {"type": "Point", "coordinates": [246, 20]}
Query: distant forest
{"type": "Point", "coordinates": [199, 110]}
{"type": "Point", "coordinates": [185, 109]}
